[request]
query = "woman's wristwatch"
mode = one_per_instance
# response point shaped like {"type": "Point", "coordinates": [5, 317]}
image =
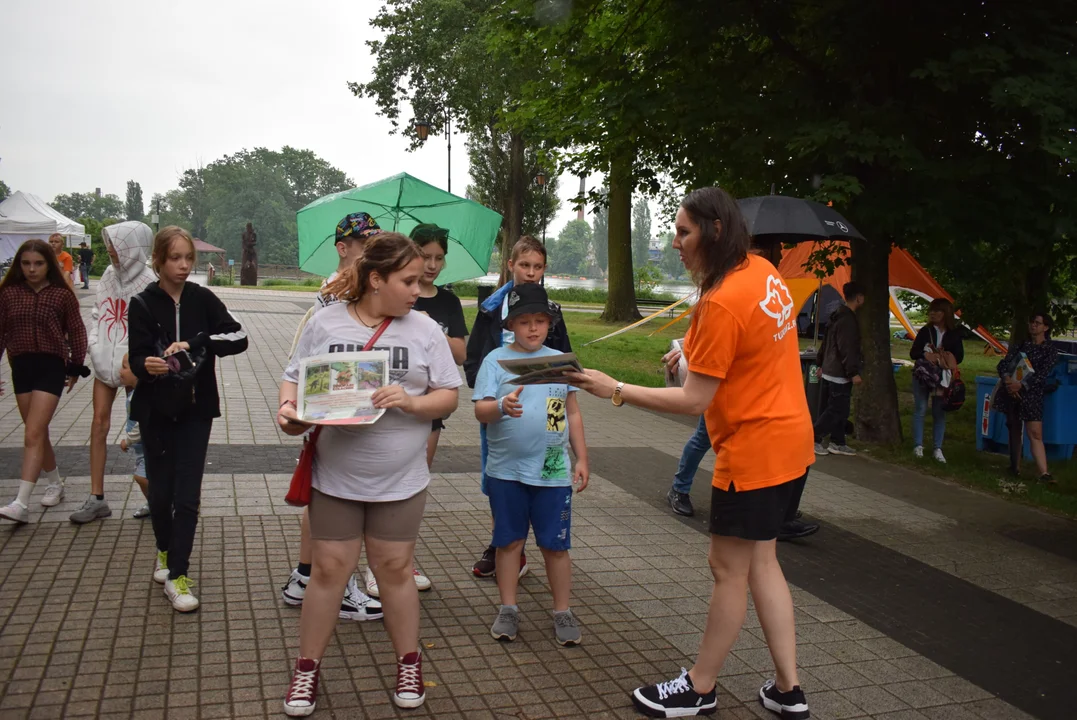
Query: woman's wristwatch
{"type": "Point", "coordinates": [617, 400]}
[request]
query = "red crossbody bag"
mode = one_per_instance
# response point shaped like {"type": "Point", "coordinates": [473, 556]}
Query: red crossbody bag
{"type": "Point", "coordinates": [300, 487]}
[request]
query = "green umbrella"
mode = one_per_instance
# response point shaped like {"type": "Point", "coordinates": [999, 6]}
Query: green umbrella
{"type": "Point", "coordinates": [400, 203]}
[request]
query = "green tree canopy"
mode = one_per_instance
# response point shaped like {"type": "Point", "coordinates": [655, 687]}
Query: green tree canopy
{"type": "Point", "coordinates": [489, 155]}
{"type": "Point", "coordinates": [260, 186]}
{"type": "Point", "coordinates": [670, 260]}
{"type": "Point", "coordinates": [568, 255]}
{"type": "Point", "coordinates": [80, 205]}
{"type": "Point", "coordinates": [641, 232]}
{"type": "Point", "coordinates": [4, 190]}
{"type": "Point", "coordinates": [134, 207]}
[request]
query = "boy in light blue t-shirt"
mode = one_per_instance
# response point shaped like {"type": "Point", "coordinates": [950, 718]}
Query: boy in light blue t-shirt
{"type": "Point", "coordinates": [528, 471]}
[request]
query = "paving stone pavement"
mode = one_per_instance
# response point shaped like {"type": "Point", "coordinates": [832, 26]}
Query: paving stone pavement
{"type": "Point", "coordinates": [900, 600]}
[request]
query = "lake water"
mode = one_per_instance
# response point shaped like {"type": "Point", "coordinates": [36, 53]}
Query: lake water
{"type": "Point", "coordinates": [673, 288]}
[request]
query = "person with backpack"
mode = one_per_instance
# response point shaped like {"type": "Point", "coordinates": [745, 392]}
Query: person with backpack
{"type": "Point", "coordinates": [176, 331]}
{"type": "Point", "coordinates": [937, 351]}
{"type": "Point", "coordinates": [840, 370]}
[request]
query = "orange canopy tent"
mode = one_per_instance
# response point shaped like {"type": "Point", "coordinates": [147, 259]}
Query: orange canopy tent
{"type": "Point", "coordinates": [905, 274]}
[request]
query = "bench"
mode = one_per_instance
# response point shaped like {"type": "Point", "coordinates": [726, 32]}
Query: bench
{"type": "Point", "coordinates": [648, 306]}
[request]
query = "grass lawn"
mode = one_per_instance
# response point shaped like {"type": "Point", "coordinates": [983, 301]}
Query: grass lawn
{"type": "Point", "coordinates": [634, 358]}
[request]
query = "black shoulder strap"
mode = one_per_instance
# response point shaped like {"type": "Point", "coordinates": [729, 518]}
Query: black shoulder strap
{"type": "Point", "coordinates": [141, 301]}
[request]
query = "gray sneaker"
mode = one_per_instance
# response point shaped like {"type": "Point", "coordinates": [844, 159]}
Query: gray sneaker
{"type": "Point", "coordinates": [507, 624]}
{"type": "Point", "coordinates": [820, 449]}
{"type": "Point", "coordinates": [566, 628]}
{"type": "Point", "coordinates": [840, 450]}
{"type": "Point", "coordinates": [142, 512]}
{"type": "Point", "coordinates": [92, 509]}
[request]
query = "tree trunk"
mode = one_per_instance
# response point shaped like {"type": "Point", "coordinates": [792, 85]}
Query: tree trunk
{"type": "Point", "coordinates": [1031, 286]}
{"type": "Point", "coordinates": [877, 418]}
{"type": "Point", "coordinates": [621, 301]}
{"type": "Point", "coordinates": [515, 209]}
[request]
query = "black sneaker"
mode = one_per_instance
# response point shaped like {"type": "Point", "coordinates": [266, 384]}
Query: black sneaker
{"type": "Point", "coordinates": [487, 564]}
{"type": "Point", "coordinates": [790, 705]}
{"type": "Point", "coordinates": [797, 529]}
{"type": "Point", "coordinates": [674, 698]}
{"type": "Point", "coordinates": [1047, 479]}
{"type": "Point", "coordinates": [680, 502]}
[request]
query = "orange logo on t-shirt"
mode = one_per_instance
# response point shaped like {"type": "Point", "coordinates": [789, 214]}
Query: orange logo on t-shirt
{"type": "Point", "coordinates": [778, 303]}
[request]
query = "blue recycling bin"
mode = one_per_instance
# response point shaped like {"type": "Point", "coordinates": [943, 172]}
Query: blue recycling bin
{"type": "Point", "coordinates": [1059, 415]}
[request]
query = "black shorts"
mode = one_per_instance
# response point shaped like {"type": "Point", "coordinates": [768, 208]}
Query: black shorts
{"type": "Point", "coordinates": [750, 514]}
{"type": "Point", "coordinates": [438, 424]}
{"type": "Point", "coordinates": [38, 371]}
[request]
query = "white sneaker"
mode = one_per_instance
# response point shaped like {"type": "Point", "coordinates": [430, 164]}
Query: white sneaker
{"type": "Point", "coordinates": [422, 582]}
{"type": "Point", "coordinates": [160, 567]}
{"type": "Point", "coordinates": [939, 457]}
{"type": "Point", "coordinates": [54, 495]}
{"type": "Point", "coordinates": [357, 605]}
{"type": "Point", "coordinates": [295, 589]}
{"type": "Point", "coordinates": [179, 593]}
{"type": "Point", "coordinates": [16, 511]}
{"type": "Point", "coordinates": [918, 451]}
{"type": "Point", "coordinates": [371, 583]}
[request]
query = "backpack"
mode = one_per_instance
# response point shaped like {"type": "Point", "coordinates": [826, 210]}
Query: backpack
{"type": "Point", "coordinates": [954, 396]}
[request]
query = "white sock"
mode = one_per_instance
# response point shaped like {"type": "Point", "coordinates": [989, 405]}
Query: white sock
{"type": "Point", "coordinates": [53, 476]}
{"type": "Point", "coordinates": [25, 488]}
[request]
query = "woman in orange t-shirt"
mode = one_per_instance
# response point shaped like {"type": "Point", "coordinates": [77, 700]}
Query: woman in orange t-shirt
{"type": "Point", "coordinates": [744, 377]}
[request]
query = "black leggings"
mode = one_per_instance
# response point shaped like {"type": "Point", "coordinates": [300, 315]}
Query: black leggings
{"type": "Point", "coordinates": [175, 460]}
{"type": "Point", "coordinates": [1015, 436]}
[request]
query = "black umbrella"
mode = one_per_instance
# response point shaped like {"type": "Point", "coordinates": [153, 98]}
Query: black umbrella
{"type": "Point", "coordinates": [793, 220]}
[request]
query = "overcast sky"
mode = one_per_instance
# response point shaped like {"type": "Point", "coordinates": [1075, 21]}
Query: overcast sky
{"type": "Point", "coordinates": [98, 93]}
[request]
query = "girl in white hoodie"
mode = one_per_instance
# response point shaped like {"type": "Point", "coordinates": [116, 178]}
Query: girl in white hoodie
{"type": "Point", "coordinates": [128, 245]}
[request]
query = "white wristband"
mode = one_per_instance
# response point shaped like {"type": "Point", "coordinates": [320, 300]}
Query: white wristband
{"type": "Point", "coordinates": [501, 404]}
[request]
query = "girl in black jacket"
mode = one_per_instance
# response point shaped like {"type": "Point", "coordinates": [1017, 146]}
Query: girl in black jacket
{"type": "Point", "coordinates": [185, 319]}
{"type": "Point", "coordinates": [939, 343]}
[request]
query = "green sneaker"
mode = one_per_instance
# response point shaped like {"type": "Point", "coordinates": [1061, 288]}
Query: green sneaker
{"type": "Point", "coordinates": [179, 593]}
{"type": "Point", "coordinates": [160, 568]}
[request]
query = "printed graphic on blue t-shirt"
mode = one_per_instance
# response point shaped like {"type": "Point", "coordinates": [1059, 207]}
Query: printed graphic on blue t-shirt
{"type": "Point", "coordinates": [533, 448]}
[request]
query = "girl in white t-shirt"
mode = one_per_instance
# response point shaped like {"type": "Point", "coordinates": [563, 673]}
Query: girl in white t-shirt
{"type": "Point", "coordinates": [370, 481]}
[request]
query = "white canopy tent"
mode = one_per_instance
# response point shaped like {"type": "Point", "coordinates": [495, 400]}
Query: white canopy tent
{"type": "Point", "coordinates": [24, 216]}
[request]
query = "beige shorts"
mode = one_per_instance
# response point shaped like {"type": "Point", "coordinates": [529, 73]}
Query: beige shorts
{"type": "Point", "coordinates": [333, 518]}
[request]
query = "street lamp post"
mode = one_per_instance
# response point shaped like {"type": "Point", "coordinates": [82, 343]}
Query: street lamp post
{"type": "Point", "coordinates": [422, 129]}
{"type": "Point", "coordinates": [540, 180]}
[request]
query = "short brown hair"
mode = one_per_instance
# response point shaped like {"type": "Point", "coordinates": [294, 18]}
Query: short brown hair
{"type": "Point", "coordinates": [526, 243]}
{"type": "Point", "coordinates": [162, 243]}
{"type": "Point", "coordinates": [384, 254]}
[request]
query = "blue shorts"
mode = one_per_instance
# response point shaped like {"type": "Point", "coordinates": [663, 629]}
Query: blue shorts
{"type": "Point", "coordinates": [516, 506]}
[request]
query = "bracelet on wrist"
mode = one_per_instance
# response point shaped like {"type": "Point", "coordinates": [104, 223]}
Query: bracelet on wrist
{"type": "Point", "coordinates": [286, 402]}
{"type": "Point", "coordinates": [501, 405]}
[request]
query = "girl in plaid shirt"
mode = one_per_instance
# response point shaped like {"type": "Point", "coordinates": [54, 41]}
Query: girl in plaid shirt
{"type": "Point", "coordinates": [43, 333]}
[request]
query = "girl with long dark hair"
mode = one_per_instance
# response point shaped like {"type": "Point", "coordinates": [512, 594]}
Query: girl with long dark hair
{"type": "Point", "coordinates": [744, 377]}
{"type": "Point", "coordinates": [42, 330]}
{"type": "Point", "coordinates": [173, 325]}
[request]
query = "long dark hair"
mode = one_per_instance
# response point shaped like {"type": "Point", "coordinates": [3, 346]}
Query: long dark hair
{"type": "Point", "coordinates": [720, 251]}
{"type": "Point", "coordinates": [15, 275]}
{"type": "Point", "coordinates": [384, 254]}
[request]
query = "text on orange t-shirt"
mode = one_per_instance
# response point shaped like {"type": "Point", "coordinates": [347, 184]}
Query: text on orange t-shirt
{"type": "Point", "coordinates": [744, 333]}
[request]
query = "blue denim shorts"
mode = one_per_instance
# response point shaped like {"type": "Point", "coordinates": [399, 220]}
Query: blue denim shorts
{"type": "Point", "coordinates": [517, 506]}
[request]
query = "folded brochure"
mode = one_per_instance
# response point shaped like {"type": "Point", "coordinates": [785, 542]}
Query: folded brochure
{"type": "Point", "coordinates": [542, 370]}
{"type": "Point", "coordinates": [335, 389]}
